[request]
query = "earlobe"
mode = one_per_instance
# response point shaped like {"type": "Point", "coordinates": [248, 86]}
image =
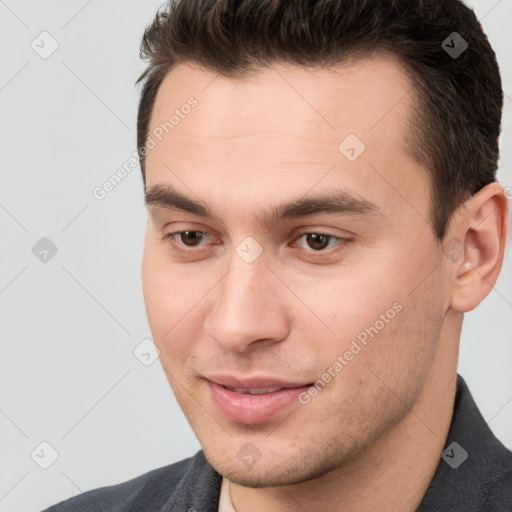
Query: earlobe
{"type": "Point", "coordinates": [481, 229]}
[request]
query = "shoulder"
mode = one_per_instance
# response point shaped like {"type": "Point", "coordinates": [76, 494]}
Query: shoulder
{"type": "Point", "coordinates": [499, 498]}
{"type": "Point", "coordinates": [153, 488]}
{"type": "Point", "coordinates": [475, 470]}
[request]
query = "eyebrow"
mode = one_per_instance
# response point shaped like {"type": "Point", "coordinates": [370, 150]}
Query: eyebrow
{"type": "Point", "coordinates": [337, 202]}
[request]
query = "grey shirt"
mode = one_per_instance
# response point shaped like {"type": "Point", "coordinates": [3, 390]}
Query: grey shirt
{"type": "Point", "coordinates": [474, 475]}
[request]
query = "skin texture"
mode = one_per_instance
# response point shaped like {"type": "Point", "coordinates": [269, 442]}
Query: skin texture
{"type": "Point", "coordinates": [372, 438]}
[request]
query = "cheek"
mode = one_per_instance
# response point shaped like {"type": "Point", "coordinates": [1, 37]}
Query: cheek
{"type": "Point", "coordinates": [173, 300]}
{"type": "Point", "coordinates": [351, 302]}
{"type": "Point", "coordinates": [166, 291]}
{"type": "Point", "coordinates": [379, 323]}
{"type": "Point", "coordinates": [157, 296]}
{"type": "Point", "coordinates": [401, 355]}
{"type": "Point", "coordinates": [164, 295]}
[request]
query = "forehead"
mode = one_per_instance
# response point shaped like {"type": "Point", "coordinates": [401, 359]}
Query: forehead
{"type": "Point", "coordinates": [285, 129]}
{"type": "Point", "coordinates": [357, 96]}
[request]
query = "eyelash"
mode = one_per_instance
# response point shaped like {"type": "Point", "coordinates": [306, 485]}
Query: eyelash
{"type": "Point", "coordinates": [323, 252]}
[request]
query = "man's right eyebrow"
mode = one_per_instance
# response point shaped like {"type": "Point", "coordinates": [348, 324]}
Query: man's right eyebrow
{"type": "Point", "coordinates": [165, 196]}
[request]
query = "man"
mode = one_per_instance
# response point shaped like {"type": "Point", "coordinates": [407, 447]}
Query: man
{"type": "Point", "coordinates": [322, 211]}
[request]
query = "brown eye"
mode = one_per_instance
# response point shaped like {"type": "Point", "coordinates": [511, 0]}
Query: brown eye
{"type": "Point", "coordinates": [191, 238]}
{"type": "Point", "coordinates": [187, 241]}
{"type": "Point", "coordinates": [320, 244]}
{"type": "Point", "coordinates": [318, 241]}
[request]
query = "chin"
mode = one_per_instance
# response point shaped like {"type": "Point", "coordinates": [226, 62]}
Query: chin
{"type": "Point", "coordinates": [276, 470]}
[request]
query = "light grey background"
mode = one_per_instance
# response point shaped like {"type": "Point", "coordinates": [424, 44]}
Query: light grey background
{"type": "Point", "coordinates": [69, 326]}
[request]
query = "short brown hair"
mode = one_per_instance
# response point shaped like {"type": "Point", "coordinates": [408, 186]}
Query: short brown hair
{"type": "Point", "coordinates": [458, 101]}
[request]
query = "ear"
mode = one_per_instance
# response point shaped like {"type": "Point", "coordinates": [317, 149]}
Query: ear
{"type": "Point", "coordinates": [476, 246]}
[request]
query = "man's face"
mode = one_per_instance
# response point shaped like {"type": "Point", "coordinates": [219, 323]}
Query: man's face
{"type": "Point", "coordinates": [235, 296]}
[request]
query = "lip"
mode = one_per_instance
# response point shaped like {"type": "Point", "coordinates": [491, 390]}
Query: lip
{"type": "Point", "coordinates": [250, 409]}
{"type": "Point", "coordinates": [254, 382]}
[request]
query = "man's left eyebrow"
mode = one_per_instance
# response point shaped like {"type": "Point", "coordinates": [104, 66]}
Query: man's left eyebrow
{"type": "Point", "coordinates": [340, 202]}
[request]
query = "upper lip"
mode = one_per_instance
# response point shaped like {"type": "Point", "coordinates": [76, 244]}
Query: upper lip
{"type": "Point", "coordinates": [254, 382]}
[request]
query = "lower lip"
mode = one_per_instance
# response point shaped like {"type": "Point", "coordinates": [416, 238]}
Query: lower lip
{"type": "Point", "coordinates": [246, 408]}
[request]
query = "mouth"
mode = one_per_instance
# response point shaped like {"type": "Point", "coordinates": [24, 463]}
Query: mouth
{"type": "Point", "coordinates": [254, 391]}
{"type": "Point", "coordinates": [254, 404]}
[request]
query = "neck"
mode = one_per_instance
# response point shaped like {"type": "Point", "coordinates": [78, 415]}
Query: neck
{"type": "Point", "coordinates": [393, 473]}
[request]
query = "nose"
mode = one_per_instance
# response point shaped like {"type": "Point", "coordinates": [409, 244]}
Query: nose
{"type": "Point", "coordinates": [250, 308]}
